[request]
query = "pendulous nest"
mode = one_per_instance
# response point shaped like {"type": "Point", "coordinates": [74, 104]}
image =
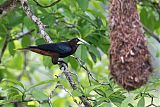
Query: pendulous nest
{"type": "Point", "coordinates": [129, 56]}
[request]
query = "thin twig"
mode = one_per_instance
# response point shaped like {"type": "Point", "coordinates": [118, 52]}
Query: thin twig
{"type": "Point", "coordinates": [51, 94]}
{"type": "Point", "coordinates": [53, 91]}
{"type": "Point", "coordinates": [25, 63]}
{"type": "Point", "coordinates": [152, 103]}
{"type": "Point", "coordinates": [76, 76]}
{"type": "Point", "coordinates": [8, 39]}
{"type": "Point", "coordinates": [57, 86]}
{"type": "Point", "coordinates": [151, 33]}
{"type": "Point", "coordinates": [52, 4]}
{"type": "Point", "coordinates": [4, 47]}
{"type": "Point", "coordinates": [21, 36]}
{"type": "Point", "coordinates": [8, 5]}
{"type": "Point", "coordinates": [79, 104]}
{"type": "Point", "coordinates": [88, 72]}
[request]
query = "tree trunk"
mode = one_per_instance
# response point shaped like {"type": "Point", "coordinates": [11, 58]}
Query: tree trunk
{"type": "Point", "coordinates": [129, 56]}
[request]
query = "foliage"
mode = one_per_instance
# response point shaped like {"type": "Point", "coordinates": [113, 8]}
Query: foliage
{"type": "Point", "coordinates": [31, 78]}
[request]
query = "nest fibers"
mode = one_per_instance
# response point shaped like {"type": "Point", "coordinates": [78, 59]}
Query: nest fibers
{"type": "Point", "coordinates": [129, 57]}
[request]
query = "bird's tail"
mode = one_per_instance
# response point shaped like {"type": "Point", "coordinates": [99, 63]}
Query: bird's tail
{"type": "Point", "coordinates": [23, 49]}
{"type": "Point", "coordinates": [27, 48]}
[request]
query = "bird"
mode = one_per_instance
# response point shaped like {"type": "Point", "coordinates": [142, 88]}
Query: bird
{"type": "Point", "coordinates": [57, 50]}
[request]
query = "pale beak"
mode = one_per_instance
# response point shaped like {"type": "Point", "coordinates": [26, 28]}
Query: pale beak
{"type": "Point", "coordinates": [82, 42]}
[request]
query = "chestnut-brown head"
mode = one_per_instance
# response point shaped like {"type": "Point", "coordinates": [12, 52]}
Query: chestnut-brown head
{"type": "Point", "coordinates": [77, 41]}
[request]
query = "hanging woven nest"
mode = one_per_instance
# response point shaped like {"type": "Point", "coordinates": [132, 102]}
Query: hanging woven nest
{"type": "Point", "coordinates": [129, 56]}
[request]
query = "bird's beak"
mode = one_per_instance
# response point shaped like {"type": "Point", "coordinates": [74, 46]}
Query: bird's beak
{"type": "Point", "coordinates": [82, 42]}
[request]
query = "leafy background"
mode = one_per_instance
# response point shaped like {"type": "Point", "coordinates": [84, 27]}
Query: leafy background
{"type": "Point", "coordinates": [28, 76]}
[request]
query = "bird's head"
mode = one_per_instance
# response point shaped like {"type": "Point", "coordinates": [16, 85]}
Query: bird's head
{"type": "Point", "coordinates": [77, 41]}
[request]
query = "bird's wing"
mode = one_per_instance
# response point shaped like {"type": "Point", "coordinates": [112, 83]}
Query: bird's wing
{"type": "Point", "coordinates": [61, 47]}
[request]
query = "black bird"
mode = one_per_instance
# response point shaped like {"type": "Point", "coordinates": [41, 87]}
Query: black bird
{"type": "Point", "coordinates": [57, 50]}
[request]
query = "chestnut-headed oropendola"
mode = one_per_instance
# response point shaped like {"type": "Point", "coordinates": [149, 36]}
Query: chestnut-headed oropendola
{"type": "Point", "coordinates": [57, 50]}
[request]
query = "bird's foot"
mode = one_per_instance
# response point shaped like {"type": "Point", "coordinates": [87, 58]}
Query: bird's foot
{"type": "Point", "coordinates": [62, 64]}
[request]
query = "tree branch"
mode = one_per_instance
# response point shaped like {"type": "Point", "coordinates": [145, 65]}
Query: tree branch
{"type": "Point", "coordinates": [8, 39]}
{"type": "Point", "coordinates": [58, 85]}
{"type": "Point", "coordinates": [52, 4]}
{"type": "Point", "coordinates": [151, 33]}
{"type": "Point", "coordinates": [8, 5]}
{"type": "Point", "coordinates": [21, 36]}
{"type": "Point", "coordinates": [4, 47]}
{"type": "Point", "coordinates": [63, 66]}
{"type": "Point", "coordinates": [36, 20]}
{"type": "Point", "coordinates": [88, 72]}
{"type": "Point", "coordinates": [65, 70]}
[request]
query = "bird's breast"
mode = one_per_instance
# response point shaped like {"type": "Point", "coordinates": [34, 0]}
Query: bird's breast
{"type": "Point", "coordinates": [65, 54]}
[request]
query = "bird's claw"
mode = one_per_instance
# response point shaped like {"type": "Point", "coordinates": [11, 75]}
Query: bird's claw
{"type": "Point", "coordinates": [62, 64]}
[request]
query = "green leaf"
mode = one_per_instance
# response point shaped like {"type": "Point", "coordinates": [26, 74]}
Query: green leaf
{"type": "Point", "coordinates": [39, 95]}
{"type": "Point", "coordinates": [82, 53]}
{"type": "Point", "coordinates": [99, 22]}
{"type": "Point", "coordinates": [117, 98]}
{"type": "Point", "coordinates": [42, 83]}
{"type": "Point", "coordinates": [87, 90]}
{"type": "Point", "coordinates": [158, 53]}
{"type": "Point", "coordinates": [94, 51]}
{"type": "Point", "coordinates": [73, 63]}
{"type": "Point", "coordinates": [28, 23]}
{"type": "Point", "coordinates": [83, 4]}
{"type": "Point", "coordinates": [141, 102]}
{"type": "Point", "coordinates": [13, 94]}
{"type": "Point", "coordinates": [101, 100]}
{"type": "Point", "coordinates": [45, 105]}
{"type": "Point", "coordinates": [76, 93]}
{"type": "Point", "coordinates": [8, 105]}
{"type": "Point", "coordinates": [14, 88]}
{"type": "Point", "coordinates": [26, 41]}
{"type": "Point", "coordinates": [47, 62]}
{"type": "Point", "coordinates": [11, 47]}
{"type": "Point", "coordinates": [103, 92]}
{"type": "Point", "coordinates": [127, 101]}
{"type": "Point", "coordinates": [14, 18]}
{"type": "Point", "coordinates": [2, 102]}
{"type": "Point", "coordinates": [40, 41]}
{"type": "Point", "coordinates": [88, 19]}
{"type": "Point", "coordinates": [3, 31]}
{"type": "Point", "coordinates": [89, 62]}
{"type": "Point", "coordinates": [14, 82]}
{"type": "Point", "coordinates": [93, 57]}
